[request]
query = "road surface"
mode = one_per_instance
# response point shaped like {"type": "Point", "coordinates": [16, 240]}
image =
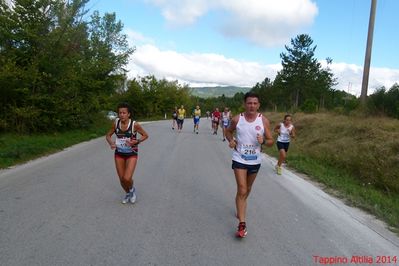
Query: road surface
{"type": "Point", "coordinates": [65, 209]}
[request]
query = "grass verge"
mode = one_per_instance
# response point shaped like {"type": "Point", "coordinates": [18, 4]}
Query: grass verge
{"type": "Point", "coordinates": [320, 161]}
{"type": "Point", "coordinates": [337, 182]}
{"type": "Point", "coordinates": [16, 149]}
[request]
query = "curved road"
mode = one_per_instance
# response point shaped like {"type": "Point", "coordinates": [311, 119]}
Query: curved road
{"type": "Point", "coordinates": [65, 210]}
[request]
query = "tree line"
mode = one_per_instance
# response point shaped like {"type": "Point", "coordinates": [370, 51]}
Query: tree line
{"type": "Point", "coordinates": [60, 67]}
{"type": "Point", "coordinates": [304, 85]}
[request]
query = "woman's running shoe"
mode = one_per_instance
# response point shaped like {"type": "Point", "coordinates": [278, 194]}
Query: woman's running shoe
{"type": "Point", "coordinates": [126, 199]}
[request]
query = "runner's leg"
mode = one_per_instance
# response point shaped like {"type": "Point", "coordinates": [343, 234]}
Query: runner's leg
{"type": "Point", "coordinates": [129, 171]}
{"type": "Point", "coordinates": [281, 157]}
{"type": "Point", "coordinates": [241, 202]}
{"type": "Point", "coordinates": [120, 165]}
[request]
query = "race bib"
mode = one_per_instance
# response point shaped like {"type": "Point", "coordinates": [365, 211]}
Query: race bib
{"type": "Point", "coordinates": [216, 119]}
{"type": "Point", "coordinates": [197, 117]}
{"type": "Point", "coordinates": [249, 152]}
{"type": "Point", "coordinates": [122, 146]}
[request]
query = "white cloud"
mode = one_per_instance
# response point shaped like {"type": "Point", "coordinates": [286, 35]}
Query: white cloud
{"type": "Point", "coordinates": [350, 78]}
{"type": "Point", "coordinates": [270, 22]}
{"type": "Point", "coordinates": [208, 69]}
{"type": "Point", "coordinates": [265, 23]}
{"type": "Point", "coordinates": [135, 38]}
{"type": "Point", "coordinates": [195, 68]}
{"type": "Point", "coordinates": [182, 12]}
{"type": "Point", "coordinates": [213, 69]}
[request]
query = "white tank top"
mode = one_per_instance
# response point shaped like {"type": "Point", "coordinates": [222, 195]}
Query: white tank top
{"type": "Point", "coordinates": [226, 118]}
{"type": "Point", "coordinates": [247, 150]}
{"type": "Point", "coordinates": [284, 135]}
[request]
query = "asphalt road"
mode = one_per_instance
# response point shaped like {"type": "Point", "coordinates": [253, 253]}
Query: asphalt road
{"type": "Point", "coordinates": [65, 210]}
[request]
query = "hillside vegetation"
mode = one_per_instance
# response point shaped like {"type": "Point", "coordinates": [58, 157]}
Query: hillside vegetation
{"type": "Point", "coordinates": [208, 92]}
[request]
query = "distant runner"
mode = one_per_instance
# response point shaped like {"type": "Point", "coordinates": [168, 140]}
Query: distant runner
{"type": "Point", "coordinates": [174, 118]}
{"type": "Point", "coordinates": [215, 121]}
{"type": "Point", "coordinates": [181, 114]}
{"type": "Point", "coordinates": [252, 130]}
{"type": "Point", "coordinates": [126, 149]}
{"type": "Point", "coordinates": [226, 117]}
{"type": "Point", "coordinates": [197, 116]}
{"type": "Point", "coordinates": [285, 131]}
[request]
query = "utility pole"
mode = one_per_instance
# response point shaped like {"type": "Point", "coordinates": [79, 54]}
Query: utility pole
{"type": "Point", "coordinates": [367, 59]}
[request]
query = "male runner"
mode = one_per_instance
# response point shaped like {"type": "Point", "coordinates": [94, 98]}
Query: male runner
{"type": "Point", "coordinates": [252, 130]}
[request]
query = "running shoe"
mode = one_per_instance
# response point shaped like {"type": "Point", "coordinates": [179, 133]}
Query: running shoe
{"type": "Point", "coordinates": [278, 169]}
{"type": "Point", "coordinates": [126, 199]}
{"type": "Point", "coordinates": [242, 230]}
{"type": "Point", "coordinates": [133, 195]}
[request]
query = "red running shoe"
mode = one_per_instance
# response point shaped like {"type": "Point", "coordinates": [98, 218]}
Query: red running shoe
{"type": "Point", "coordinates": [242, 230]}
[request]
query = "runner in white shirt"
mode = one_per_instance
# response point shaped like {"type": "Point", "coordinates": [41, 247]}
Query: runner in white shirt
{"type": "Point", "coordinates": [226, 117]}
{"type": "Point", "coordinates": [253, 130]}
{"type": "Point", "coordinates": [285, 131]}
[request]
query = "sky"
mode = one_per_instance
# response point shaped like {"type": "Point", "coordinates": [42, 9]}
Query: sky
{"type": "Point", "coordinates": [239, 42]}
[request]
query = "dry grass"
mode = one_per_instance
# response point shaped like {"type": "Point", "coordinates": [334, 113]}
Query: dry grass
{"type": "Point", "coordinates": [356, 157]}
{"type": "Point", "coordinates": [366, 148]}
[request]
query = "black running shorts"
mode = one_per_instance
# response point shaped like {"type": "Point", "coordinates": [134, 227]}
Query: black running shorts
{"type": "Point", "coordinates": [251, 169]}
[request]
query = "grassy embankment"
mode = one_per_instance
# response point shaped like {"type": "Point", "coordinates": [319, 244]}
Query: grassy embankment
{"type": "Point", "coordinates": [15, 149]}
{"type": "Point", "coordinates": [355, 158]}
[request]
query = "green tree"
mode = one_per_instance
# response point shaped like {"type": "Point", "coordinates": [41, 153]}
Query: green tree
{"type": "Point", "coordinates": [55, 66]}
{"type": "Point", "coordinates": [302, 76]}
{"type": "Point", "coordinates": [384, 102]}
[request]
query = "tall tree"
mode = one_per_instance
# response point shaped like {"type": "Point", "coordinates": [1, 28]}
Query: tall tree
{"type": "Point", "coordinates": [302, 77]}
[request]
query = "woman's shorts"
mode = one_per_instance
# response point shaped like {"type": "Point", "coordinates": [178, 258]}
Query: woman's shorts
{"type": "Point", "coordinates": [124, 157]}
{"type": "Point", "coordinates": [283, 145]}
{"type": "Point", "coordinates": [196, 121]}
{"type": "Point", "coordinates": [180, 121]}
{"type": "Point", "coordinates": [251, 169]}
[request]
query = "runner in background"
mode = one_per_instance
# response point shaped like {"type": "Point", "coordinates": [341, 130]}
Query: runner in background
{"type": "Point", "coordinates": [181, 114]}
{"type": "Point", "coordinates": [226, 117]}
{"type": "Point", "coordinates": [197, 116]}
{"type": "Point", "coordinates": [285, 131]}
{"type": "Point", "coordinates": [174, 118]}
{"type": "Point", "coordinates": [215, 121]}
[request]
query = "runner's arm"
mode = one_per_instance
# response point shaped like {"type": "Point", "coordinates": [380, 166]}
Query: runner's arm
{"type": "Point", "coordinates": [277, 129]}
{"type": "Point", "coordinates": [143, 133]}
{"type": "Point", "coordinates": [268, 134]}
{"type": "Point", "coordinates": [293, 133]}
{"type": "Point", "coordinates": [230, 130]}
{"type": "Point", "coordinates": [108, 137]}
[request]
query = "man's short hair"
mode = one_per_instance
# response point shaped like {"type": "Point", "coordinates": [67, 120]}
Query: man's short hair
{"type": "Point", "coordinates": [251, 94]}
